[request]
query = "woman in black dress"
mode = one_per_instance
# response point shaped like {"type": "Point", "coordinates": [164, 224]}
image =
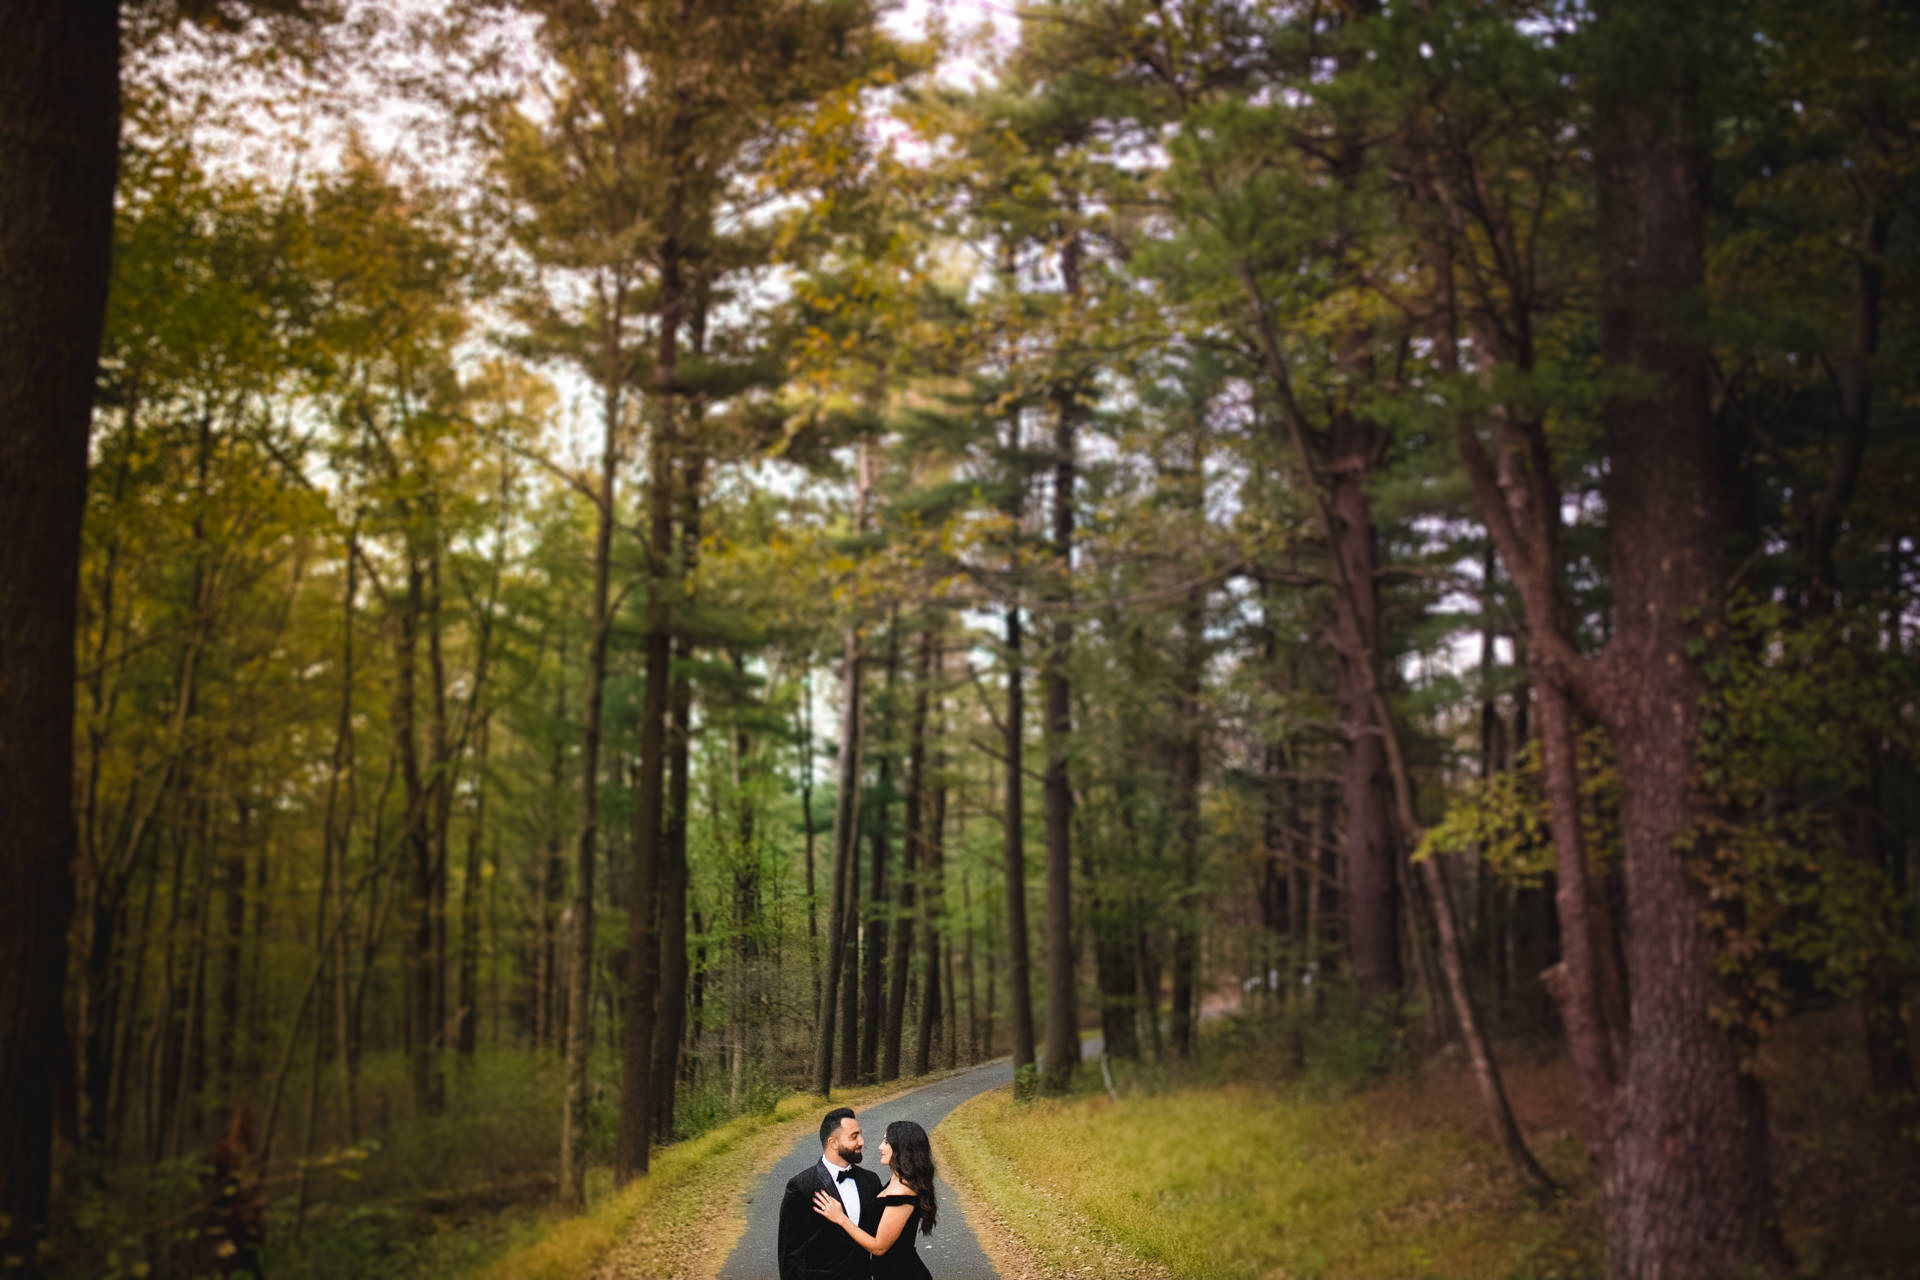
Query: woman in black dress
{"type": "Point", "coordinates": [909, 1209]}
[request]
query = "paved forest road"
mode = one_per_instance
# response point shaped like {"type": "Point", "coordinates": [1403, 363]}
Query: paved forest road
{"type": "Point", "coordinates": [951, 1252]}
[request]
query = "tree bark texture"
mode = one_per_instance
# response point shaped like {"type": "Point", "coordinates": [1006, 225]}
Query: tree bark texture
{"type": "Point", "coordinates": [59, 125]}
{"type": "Point", "coordinates": [1352, 447]}
{"type": "Point", "coordinates": [1690, 1191]}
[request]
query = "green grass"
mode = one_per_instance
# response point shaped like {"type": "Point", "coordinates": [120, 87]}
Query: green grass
{"type": "Point", "coordinates": [1251, 1181]}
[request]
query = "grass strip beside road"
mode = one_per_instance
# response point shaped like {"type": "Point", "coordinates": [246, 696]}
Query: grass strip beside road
{"type": "Point", "coordinates": [664, 1225]}
{"type": "Point", "coordinates": [1251, 1182]}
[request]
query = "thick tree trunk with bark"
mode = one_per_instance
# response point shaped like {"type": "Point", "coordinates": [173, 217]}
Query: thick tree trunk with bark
{"type": "Point", "coordinates": [1689, 1191]}
{"type": "Point", "coordinates": [1352, 450]}
{"type": "Point", "coordinates": [633, 1145]}
{"type": "Point", "coordinates": [59, 121]}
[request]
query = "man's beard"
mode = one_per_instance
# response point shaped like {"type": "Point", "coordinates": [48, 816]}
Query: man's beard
{"type": "Point", "coordinates": [851, 1157]}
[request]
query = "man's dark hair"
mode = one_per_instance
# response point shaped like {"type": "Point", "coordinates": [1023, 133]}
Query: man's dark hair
{"type": "Point", "coordinates": [832, 1122]}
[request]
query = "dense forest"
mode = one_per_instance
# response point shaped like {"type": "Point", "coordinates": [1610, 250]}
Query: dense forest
{"type": "Point", "coordinates": [676, 552]}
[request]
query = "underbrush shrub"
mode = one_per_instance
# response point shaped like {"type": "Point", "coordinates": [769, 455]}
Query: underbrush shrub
{"type": "Point", "coordinates": [1026, 1082]}
{"type": "Point", "coordinates": [1353, 1045]}
{"type": "Point", "coordinates": [709, 1103]}
{"type": "Point", "coordinates": [431, 1193]}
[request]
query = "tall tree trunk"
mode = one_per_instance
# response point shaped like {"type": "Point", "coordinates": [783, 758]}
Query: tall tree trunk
{"type": "Point", "coordinates": [901, 946]}
{"type": "Point", "coordinates": [847, 1071]}
{"type": "Point", "coordinates": [1486, 1073]}
{"type": "Point", "coordinates": [233, 936]}
{"type": "Point", "coordinates": [953, 1006]}
{"type": "Point", "coordinates": [416, 945]}
{"type": "Point", "coordinates": [1689, 1191]}
{"type": "Point", "coordinates": [933, 905]}
{"type": "Point", "coordinates": [633, 1147]}
{"type": "Point", "coordinates": [337, 832]}
{"type": "Point", "coordinates": [672, 1019]}
{"type": "Point", "coordinates": [876, 914]}
{"type": "Point", "coordinates": [846, 813]}
{"type": "Point", "coordinates": [966, 968]}
{"type": "Point", "coordinates": [1186, 807]}
{"type": "Point", "coordinates": [749, 988]}
{"type": "Point", "coordinates": [808, 834]}
{"type": "Point", "coordinates": [579, 1030]}
{"type": "Point", "coordinates": [1063, 1023]}
{"type": "Point", "coordinates": [59, 122]}
{"type": "Point", "coordinates": [1352, 449]}
{"type": "Point", "coordinates": [552, 876]}
{"type": "Point", "coordinates": [468, 1010]}
{"type": "Point", "coordinates": [1014, 827]}
{"type": "Point", "coordinates": [441, 750]}
{"type": "Point", "coordinates": [1014, 859]}
{"type": "Point", "coordinates": [986, 1021]}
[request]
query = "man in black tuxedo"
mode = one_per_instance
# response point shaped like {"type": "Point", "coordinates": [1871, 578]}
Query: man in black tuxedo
{"type": "Point", "coordinates": [811, 1247]}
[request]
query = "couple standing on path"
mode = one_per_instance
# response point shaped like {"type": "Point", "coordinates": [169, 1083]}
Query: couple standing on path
{"type": "Point", "coordinates": [837, 1222]}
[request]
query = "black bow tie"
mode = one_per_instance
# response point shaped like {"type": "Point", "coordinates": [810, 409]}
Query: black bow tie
{"type": "Point", "coordinates": [843, 1175]}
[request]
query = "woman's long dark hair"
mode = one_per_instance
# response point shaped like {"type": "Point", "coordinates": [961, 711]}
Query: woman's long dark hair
{"type": "Point", "coordinates": [913, 1164]}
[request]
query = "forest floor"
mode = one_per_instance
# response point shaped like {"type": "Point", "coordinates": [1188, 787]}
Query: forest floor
{"type": "Point", "coordinates": [1344, 1153]}
{"type": "Point", "coordinates": [1247, 1167]}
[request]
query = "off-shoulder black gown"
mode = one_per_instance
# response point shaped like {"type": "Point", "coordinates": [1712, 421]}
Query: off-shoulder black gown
{"type": "Point", "coordinates": [903, 1261]}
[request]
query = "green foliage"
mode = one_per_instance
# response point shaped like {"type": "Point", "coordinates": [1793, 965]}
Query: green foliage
{"type": "Point", "coordinates": [1349, 1045]}
{"type": "Point", "coordinates": [1798, 714]}
{"type": "Point", "coordinates": [1505, 819]}
{"type": "Point", "coordinates": [1798, 710]}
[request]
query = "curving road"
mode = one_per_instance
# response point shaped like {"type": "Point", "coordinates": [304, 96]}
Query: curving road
{"type": "Point", "coordinates": [951, 1252]}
